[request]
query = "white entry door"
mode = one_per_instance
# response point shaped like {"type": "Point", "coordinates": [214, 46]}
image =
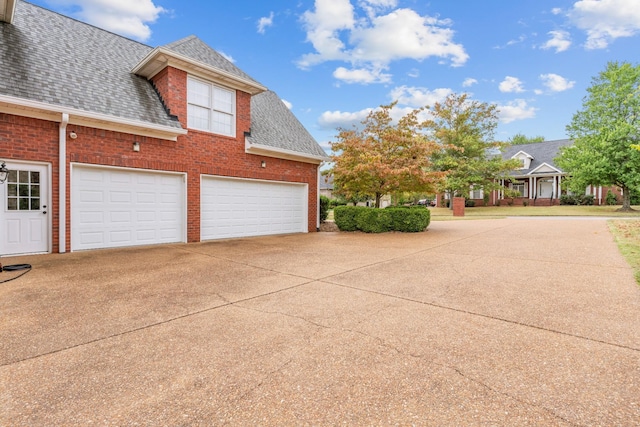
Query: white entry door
{"type": "Point", "coordinates": [24, 214]}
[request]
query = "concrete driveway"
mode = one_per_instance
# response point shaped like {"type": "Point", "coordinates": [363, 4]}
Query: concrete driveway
{"type": "Point", "coordinates": [486, 322]}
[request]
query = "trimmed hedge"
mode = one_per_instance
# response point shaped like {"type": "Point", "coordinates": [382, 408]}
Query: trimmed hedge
{"type": "Point", "coordinates": [577, 199]}
{"type": "Point", "coordinates": [371, 220]}
{"type": "Point", "coordinates": [324, 208]}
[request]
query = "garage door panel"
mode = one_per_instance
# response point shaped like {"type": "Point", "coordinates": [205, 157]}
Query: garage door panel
{"type": "Point", "coordinates": [125, 207]}
{"type": "Point", "coordinates": [241, 207]}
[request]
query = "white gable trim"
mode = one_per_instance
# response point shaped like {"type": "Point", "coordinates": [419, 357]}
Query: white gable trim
{"type": "Point", "coordinates": [160, 58]}
{"type": "Point", "coordinates": [553, 169]}
{"type": "Point", "coordinates": [524, 154]}
{"type": "Point", "coordinates": [7, 10]}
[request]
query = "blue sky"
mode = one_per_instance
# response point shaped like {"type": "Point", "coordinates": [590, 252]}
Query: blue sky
{"type": "Point", "coordinates": [333, 61]}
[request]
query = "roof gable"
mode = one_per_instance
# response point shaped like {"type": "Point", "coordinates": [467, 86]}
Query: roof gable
{"type": "Point", "coordinates": [195, 57]}
{"type": "Point", "coordinates": [540, 153]}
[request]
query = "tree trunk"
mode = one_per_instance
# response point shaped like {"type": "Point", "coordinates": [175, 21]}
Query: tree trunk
{"type": "Point", "coordinates": [378, 197]}
{"type": "Point", "coordinates": [626, 200]}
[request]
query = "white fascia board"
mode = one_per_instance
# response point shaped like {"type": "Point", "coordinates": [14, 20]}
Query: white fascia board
{"type": "Point", "coordinates": [159, 58]}
{"type": "Point", "coordinates": [557, 171]}
{"type": "Point", "coordinates": [44, 111]}
{"type": "Point", "coordinates": [281, 153]}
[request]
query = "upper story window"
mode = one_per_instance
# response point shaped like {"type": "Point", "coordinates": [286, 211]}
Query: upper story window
{"type": "Point", "coordinates": [211, 108]}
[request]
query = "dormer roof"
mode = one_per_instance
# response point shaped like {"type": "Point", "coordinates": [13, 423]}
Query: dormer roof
{"type": "Point", "coordinates": [540, 153]}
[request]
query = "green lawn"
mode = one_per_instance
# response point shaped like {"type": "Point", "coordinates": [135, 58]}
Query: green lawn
{"type": "Point", "coordinates": [440, 214]}
{"type": "Point", "coordinates": [627, 236]}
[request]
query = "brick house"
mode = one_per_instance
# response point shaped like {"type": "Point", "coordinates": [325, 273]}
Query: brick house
{"type": "Point", "coordinates": [113, 143]}
{"type": "Point", "coordinates": [538, 181]}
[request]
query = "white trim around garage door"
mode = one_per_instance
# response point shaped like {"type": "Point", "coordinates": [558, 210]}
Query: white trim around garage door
{"type": "Point", "coordinates": [238, 207]}
{"type": "Point", "coordinates": [118, 207]}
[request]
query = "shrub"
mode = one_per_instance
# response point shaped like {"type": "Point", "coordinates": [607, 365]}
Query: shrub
{"type": "Point", "coordinates": [469, 203]}
{"type": "Point", "coordinates": [611, 198]}
{"type": "Point", "coordinates": [567, 199]}
{"type": "Point", "coordinates": [370, 220]}
{"type": "Point", "coordinates": [575, 199]}
{"type": "Point", "coordinates": [324, 208]}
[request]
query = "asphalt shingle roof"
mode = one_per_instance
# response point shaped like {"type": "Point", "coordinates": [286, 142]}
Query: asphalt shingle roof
{"type": "Point", "coordinates": [274, 125]}
{"type": "Point", "coordinates": [542, 152]}
{"type": "Point", "coordinates": [195, 48]}
{"type": "Point", "coordinates": [48, 57]}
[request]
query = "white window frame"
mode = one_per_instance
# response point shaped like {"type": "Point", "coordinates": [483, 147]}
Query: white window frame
{"type": "Point", "coordinates": [211, 109]}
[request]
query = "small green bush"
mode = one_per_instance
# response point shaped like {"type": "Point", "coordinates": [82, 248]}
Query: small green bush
{"type": "Point", "coordinates": [469, 203]}
{"type": "Point", "coordinates": [577, 199]}
{"type": "Point", "coordinates": [324, 208]}
{"type": "Point", "coordinates": [370, 220]}
{"type": "Point", "coordinates": [611, 198]}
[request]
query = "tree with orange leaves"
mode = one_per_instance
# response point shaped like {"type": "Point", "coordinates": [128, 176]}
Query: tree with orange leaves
{"type": "Point", "coordinates": [384, 157]}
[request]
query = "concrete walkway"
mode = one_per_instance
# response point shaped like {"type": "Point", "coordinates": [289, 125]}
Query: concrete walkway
{"type": "Point", "coordinates": [505, 322]}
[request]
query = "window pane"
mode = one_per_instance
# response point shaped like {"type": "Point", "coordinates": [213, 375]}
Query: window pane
{"type": "Point", "coordinates": [13, 176]}
{"type": "Point", "coordinates": [35, 204]}
{"type": "Point", "coordinates": [24, 190]}
{"type": "Point", "coordinates": [13, 189]}
{"type": "Point", "coordinates": [35, 177]}
{"type": "Point", "coordinates": [12, 204]}
{"type": "Point", "coordinates": [23, 204]}
{"type": "Point", "coordinates": [23, 176]}
{"type": "Point", "coordinates": [35, 191]}
{"type": "Point", "coordinates": [223, 100]}
{"type": "Point", "coordinates": [222, 123]}
{"type": "Point", "coordinates": [198, 117]}
{"type": "Point", "coordinates": [198, 93]}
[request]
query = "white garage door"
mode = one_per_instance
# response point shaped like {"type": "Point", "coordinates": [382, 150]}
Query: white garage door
{"type": "Point", "coordinates": [243, 207]}
{"type": "Point", "coordinates": [125, 207]}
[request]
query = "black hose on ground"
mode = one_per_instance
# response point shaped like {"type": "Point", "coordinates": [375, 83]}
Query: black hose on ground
{"type": "Point", "coordinates": [15, 267]}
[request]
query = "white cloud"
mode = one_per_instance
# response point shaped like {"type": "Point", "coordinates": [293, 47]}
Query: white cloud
{"type": "Point", "coordinates": [336, 119]}
{"type": "Point", "coordinates": [368, 39]}
{"type": "Point", "coordinates": [361, 75]}
{"type": "Point", "coordinates": [468, 82]}
{"type": "Point", "coordinates": [556, 11]}
{"type": "Point", "coordinates": [560, 41]}
{"type": "Point", "coordinates": [606, 20]}
{"type": "Point", "coordinates": [417, 97]}
{"type": "Point", "coordinates": [265, 22]}
{"type": "Point", "coordinates": [511, 84]}
{"type": "Point", "coordinates": [556, 83]}
{"type": "Point", "coordinates": [287, 103]}
{"type": "Point", "coordinates": [126, 17]}
{"type": "Point", "coordinates": [515, 110]}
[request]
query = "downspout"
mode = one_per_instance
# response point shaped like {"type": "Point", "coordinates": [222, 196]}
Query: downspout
{"type": "Point", "coordinates": [62, 185]}
{"type": "Point", "coordinates": [318, 198]}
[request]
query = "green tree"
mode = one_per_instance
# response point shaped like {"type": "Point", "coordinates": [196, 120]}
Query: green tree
{"type": "Point", "coordinates": [605, 131]}
{"type": "Point", "coordinates": [520, 139]}
{"type": "Point", "coordinates": [469, 155]}
{"type": "Point", "coordinates": [383, 157]}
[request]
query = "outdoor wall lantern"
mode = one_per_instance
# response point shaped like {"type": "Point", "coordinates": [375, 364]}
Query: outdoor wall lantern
{"type": "Point", "coordinates": [263, 164]}
{"type": "Point", "coordinates": [4, 173]}
{"type": "Point", "coordinates": [136, 146]}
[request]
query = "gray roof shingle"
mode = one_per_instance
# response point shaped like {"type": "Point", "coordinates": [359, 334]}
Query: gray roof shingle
{"type": "Point", "coordinates": [60, 61]}
{"type": "Point", "coordinates": [195, 48]}
{"type": "Point", "coordinates": [274, 125]}
{"type": "Point", "coordinates": [542, 152]}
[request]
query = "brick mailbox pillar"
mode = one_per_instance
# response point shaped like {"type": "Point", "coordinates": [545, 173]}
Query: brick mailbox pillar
{"type": "Point", "coordinates": [458, 206]}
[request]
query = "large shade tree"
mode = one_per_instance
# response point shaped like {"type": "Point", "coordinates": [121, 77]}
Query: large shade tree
{"type": "Point", "coordinates": [464, 130]}
{"type": "Point", "coordinates": [605, 132]}
{"type": "Point", "coordinates": [383, 157]}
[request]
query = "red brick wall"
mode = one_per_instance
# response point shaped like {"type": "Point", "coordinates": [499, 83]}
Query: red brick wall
{"type": "Point", "coordinates": [195, 153]}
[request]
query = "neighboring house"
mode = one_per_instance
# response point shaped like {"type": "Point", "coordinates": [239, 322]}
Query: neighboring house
{"type": "Point", "coordinates": [114, 143]}
{"type": "Point", "coordinates": [538, 181]}
{"type": "Point", "coordinates": [326, 186]}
